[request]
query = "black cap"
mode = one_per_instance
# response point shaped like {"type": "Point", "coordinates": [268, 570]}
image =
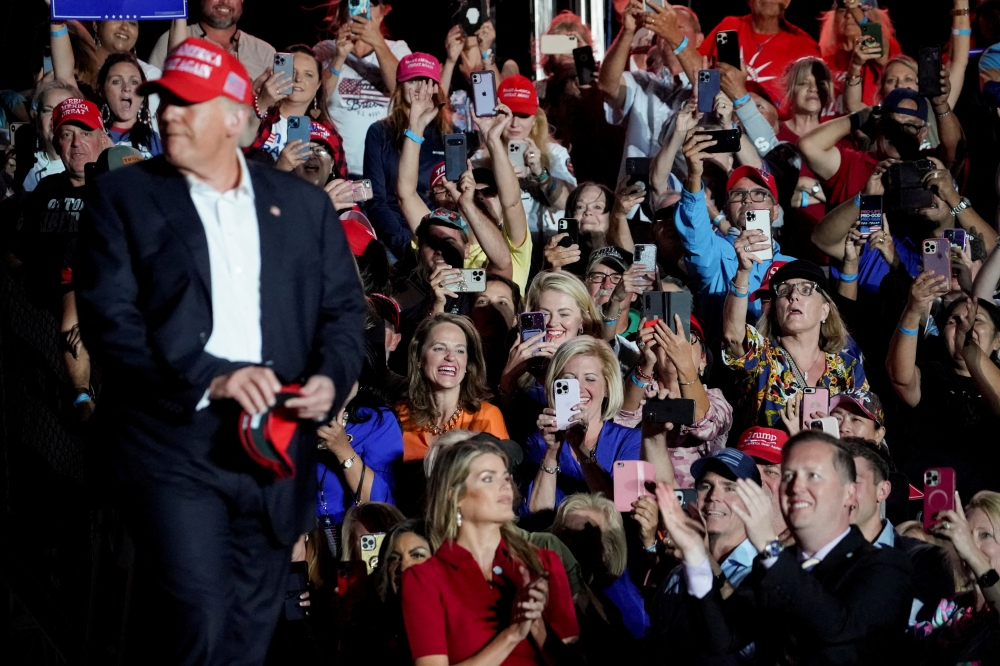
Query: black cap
{"type": "Point", "coordinates": [513, 450]}
{"type": "Point", "coordinates": [800, 268]}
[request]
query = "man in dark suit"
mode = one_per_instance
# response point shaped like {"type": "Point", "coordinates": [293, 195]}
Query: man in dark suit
{"type": "Point", "coordinates": [833, 598]}
{"type": "Point", "coordinates": [205, 284]}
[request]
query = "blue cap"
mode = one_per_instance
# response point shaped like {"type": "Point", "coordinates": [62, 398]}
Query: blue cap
{"type": "Point", "coordinates": [990, 59]}
{"type": "Point", "coordinates": [890, 104]}
{"type": "Point", "coordinates": [730, 463]}
{"type": "Point", "coordinates": [446, 217]}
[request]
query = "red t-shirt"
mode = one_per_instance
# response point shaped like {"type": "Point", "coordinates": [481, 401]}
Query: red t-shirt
{"type": "Point", "coordinates": [855, 168]}
{"type": "Point", "coordinates": [449, 608]}
{"type": "Point", "coordinates": [871, 73]}
{"type": "Point", "coordinates": [766, 56]}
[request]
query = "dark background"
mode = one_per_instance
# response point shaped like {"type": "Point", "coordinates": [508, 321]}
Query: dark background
{"type": "Point", "coordinates": [423, 24]}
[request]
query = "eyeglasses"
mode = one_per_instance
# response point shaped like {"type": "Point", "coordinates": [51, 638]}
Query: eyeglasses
{"type": "Point", "coordinates": [804, 288]}
{"type": "Point", "coordinates": [756, 196]}
{"type": "Point", "coordinates": [912, 129]}
{"type": "Point", "coordinates": [320, 151]}
{"type": "Point", "coordinates": [597, 277]}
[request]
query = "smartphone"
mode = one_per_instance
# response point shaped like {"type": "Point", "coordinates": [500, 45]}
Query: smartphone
{"type": "Point", "coordinates": [558, 44]}
{"type": "Point", "coordinates": [471, 15]}
{"type": "Point", "coordinates": [904, 185]}
{"type": "Point", "coordinates": [370, 545]}
{"type": "Point", "coordinates": [298, 583]}
{"type": "Point", "coordinates": [13, 128]}
{"type": "Point", "coordinates": [645, 254]}
{"type": "Point", "coordinates": [678, 411]}
{"type": "Point", "coordinates": [937, 256]}
{"type": "Point", "coordinates": [516, 151]}
{"type": "Point", "coordinates": [727, 47]}
{"type": "Point", "coordinates": [653, 307]}
{"type": "Point", "coordinates": [484, 93]}
{"type": "Point", "coordinates": [632, 480]}
{"type": "Point", "coordinates": [814, 399]}
{"type": "Point", "coordinates": [871, 214]}
{"type": "Point", "coordinates": [567, 397]}
{"type": "Point", "coordinates": [828, 425]}
{"type": "Point", "coordinates": [727, 141]}
{"type": "Point", "coordinates": [929, 71]}
{"type": "Point", "coordinates": [531, 324]}
{"type": "Point", "coordinates": [571, 227]}
{"type": "Point", "coordinates": [455, 156]}
{"type": "Point", "coordinates": [761, 220]}
{"type": "Point", "coordinates": [678, 303]}
{"type": "Point", "coordinates": [708, 87]}
{"type": "Point", "coordinates": [872, 32]}
{"type": "Point", "coordinates": [686, 496]}
{"type": "Point", "coordinates": [637, 170]}
{"type": "Point", "coordinates": [359, 8]}
{"type": "Point", "coordinates": [939, 493]}
{"type": "Point", "coordinates": [958, 238]}
{"type": "Point", "coordinates": [473, 281]}
{"type": "Point", "coordinates": [586, 66]}
{"type": "Point", "coordinates": [284, 63]}
{"type": "Point", "coordinates": [298, 128]}
{"type": "Point", "coordinates": [361, 190]}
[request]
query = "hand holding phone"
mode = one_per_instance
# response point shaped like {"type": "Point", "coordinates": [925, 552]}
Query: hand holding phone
{"type": "Point", "coordinates": [484, 93]}
{"type": "Point", "coordinates": [632, 480]}
{"type": "Point", "coordinates": [939, 493]}
{"type": "Point", "coordinates": [760, 220]}
{"type": "Point", "coordinates": [284, 63]}
{"type": "Point", "coordinates": [567, 398]}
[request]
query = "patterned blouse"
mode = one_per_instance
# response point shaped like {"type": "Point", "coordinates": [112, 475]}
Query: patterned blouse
{"type": "Point", "coordinates": [768, 380]}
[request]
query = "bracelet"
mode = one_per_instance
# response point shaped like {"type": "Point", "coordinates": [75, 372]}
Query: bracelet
{"type": "Point", "coordinates": [637, 382]}
{"type": "Point", "coordinates": [335, 72]}
{"type": "Point", "coordinates": [848, 277]}
{"type": "Point", "coordinates": [84, 396]}
{"type": "Point", "coordinates": [962, 205]}
{"type": "Point", "coordinates": [964, 11]}
{"type": "Point", "coordinates": [543, 176]}
{"type": "Point", "coordinates": [732, 290]}
{"type": "Point", "coordinates": [805, 199]}
{"type": "Point", "coordinates": [687, 383]}
{"type": "Point", "coordinates": [650, 549]}
{"type": "Point", "coordinates": [943, 115]}
{"type": "Point", "coordinates": [720, 217]}
{"type": "Point", "coordinates": [908, 331]}
{"type": "Point", "coordinates": [853, 81]}
{"type": "Point", "coordinates": [550, 470]}
{"type": "Point", "coordinates": [59, 33]}
{"type": "Point", "coordinates": [642, 375]}
{"type": "Point", "coordinates": [412, 136]}
{"type": "Point", "coordinates": [485, 55]}
{"type": "Point", "coordinates": [256, 109]}
{"type": "Point", "coordinates": [962, 32]}
{"type": "Point", "coordinates": [680, 47]}
{"type": "Point", "coordinates": [741, 100]}
{"type": "Point", "coordinates": [746, 289]}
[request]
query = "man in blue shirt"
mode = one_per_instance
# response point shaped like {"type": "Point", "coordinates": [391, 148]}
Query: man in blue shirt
{"type": "Point", "coordinates": [710, 255]}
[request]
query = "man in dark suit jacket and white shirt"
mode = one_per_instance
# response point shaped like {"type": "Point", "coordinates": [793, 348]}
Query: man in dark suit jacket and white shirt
{"type": "Point", "coordinates": [205, 284]}
{"type": "Point", "coordinates": [832, 598]}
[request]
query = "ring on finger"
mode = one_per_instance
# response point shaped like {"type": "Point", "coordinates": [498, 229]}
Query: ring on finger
{"type": "Point", "coordinates": [947, 526]}
{"type": "Point", "coordinates": [746, 248]}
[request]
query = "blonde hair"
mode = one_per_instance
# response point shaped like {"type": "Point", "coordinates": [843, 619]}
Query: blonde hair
{"type": "Point", "coordinates": [832, 332]}
{"type": "Point", "coordinates": [797, 71]}
{"type": "Point", "coordinates": [443, 442]}
{"type": "Point", "coordinates": [540, 135]}
{"type": "Point", "coordinates": [900, 59]}
{"type": "Point", "coordinates": [572, 286]}
{"type": "Point", "coordinates": [610, 371]}
{"type": "Point", "coordinates": [614, 548]}
{"type": "Point", "coordinates": [446, 488]}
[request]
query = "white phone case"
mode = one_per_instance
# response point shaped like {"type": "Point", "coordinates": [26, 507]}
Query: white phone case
{"type": "Point", "coordinates": [516, 151]}
{"type": "Point", "coordinates": [558, 44]}
{"type": "Point", "coordinates": [473, 280]}
{"type": "Point", "coordinates": [567, 397]}
{"type": "Point", "coordinates": [828, 425]}
{"type": "Point", "coordinates": [761, 221]}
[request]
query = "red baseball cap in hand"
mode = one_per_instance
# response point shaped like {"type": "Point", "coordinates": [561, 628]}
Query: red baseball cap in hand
{"type": "Point", "coordinates": [79, 111]}
{"type": "Point", "coordinates": [198, 70]}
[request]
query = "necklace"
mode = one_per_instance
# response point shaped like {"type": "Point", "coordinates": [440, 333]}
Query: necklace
{"type": "Point", "coordinates": [760, 44]}
{"type": "Point", "coordinates": [450, 425]}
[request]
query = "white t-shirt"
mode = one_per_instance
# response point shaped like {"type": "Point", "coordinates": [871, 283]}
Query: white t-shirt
{"type": "Point", "coordinates": [43, 167]}
{"type": "Point", "coordinates": [357, 103]}
{"type": "Point", "coordinates": [152, 73]}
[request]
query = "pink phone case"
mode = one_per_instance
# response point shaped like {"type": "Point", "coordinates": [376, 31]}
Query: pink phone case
{"type": "Point", "coordinates": [939, 493]}
{"type": "Point", "coordinates": [814, 399]}
{"type": "Point", "coordinates": [937, 256]}
{"type": "Point", "coordinates": [630, 477]}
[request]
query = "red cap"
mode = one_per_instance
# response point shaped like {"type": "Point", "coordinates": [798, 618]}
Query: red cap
{"type": "Point", "coordinates": [765, 284]}
{"type": "Point", "coordinates": [518, 93]}
{"type": "Point", "coordinates": [198, 70]}
{"type": "Point", "coordinates": [358, 230]}
{"type": "Point", "coordinates": [320, 133]}
{"type": "Point", "coordinates": [80, 111]}
{"type": "Point", "coordinates": [417, 65]}
{"type": "Point", "coordinates": [437, 175]}
{"type": "Point", "coordinates": [387, 307]}
{"type": "Point", "coordinates": [753, 173]}
{"type": "Point", "coordinates": [696, 327]}
{"type": "Point", "coordinates": [763, 443]}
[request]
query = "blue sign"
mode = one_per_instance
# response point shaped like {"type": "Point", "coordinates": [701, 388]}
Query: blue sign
{"type": "Point", "coordinates": [109, 10]}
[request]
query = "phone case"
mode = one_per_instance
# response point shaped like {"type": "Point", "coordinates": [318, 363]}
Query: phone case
{"type": "Point", "coordinates": [637, 170]}
{"type": "Point", "coordinates": [570, 226]}
{"type": "Point", "coordinates": [473, 281]}
{"type": "Point", "coordinates": [678, 303]}
{"type": "Point", "coordinates": [958, 238]}
{"type": "Point", "coordinates": [558, 44]}
{"type": "Point", "coordinates": [939, 493]}
{"type": "Point", "coordinates": [814, 399]}
{"type": "Point", "coordinates": [630, 478]}
{"type": "Point", "coordinates": [727, 47]}
{"type": "Point", "coordinates": [359, 8]}
{"type": "Point", "coordinates": [873, 30]}
{"type": "Point", "coordinates": [904, 187]}
{"type": "Point", "coordinates": [583, 57]}
{"type": "Point", "coordinates": [645, 254]}
{"type": "Point", "coordinates": [726, 141]}
{"type": "Point", "coordinates": [516, 151]}
{"type": "Point", "coordinates": [929, 71]}
{"type": "Point", "coordinates": [686, 496]}
{"type": "Point", "coordinates": [484, 93]}
{"type": "Point", "coordinates": [567, 397]}
{"type": "Point", "coordinates": [298, 128]}
{"type": "Point", "coordinates": [937, 256]}
{"type": "Point", "coordinates": [361, 190]}
{"type": "Point", "coordinates": [455, 155]}
{"type": "Point", "coordinates": [532, 321]}
{"type": "Point", "coordinates": [761, 220]}
{"type": "Point", "coordinates": [653, 306]}
{"type": "Point", "coordinates": [871, 215]}
{"type": "Point", "coordinates": [471, 15]}
{"type": "Point", "coordinates": [708, 88]}
{"type": "Point", "coordinates": [678, 411]}
{"type": "Point", "coordinates": [828, 425]}
{"type": "Point", "coordinates": [284, 62]}
{"type": "Point", "coordinates": [370, 546]}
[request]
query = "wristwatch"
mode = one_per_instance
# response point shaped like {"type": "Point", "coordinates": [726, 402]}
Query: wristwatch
{"type": "Point", "coordinates": [772, 549]}
{"type": "Point", "coordinates": [988, 579]}
{"type": "Point", "coordinates": [962, 205]}
{"type": "Point", "coordinates": [347, 464]}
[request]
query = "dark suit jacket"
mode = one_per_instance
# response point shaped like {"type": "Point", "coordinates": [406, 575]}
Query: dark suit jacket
{"type": "Point", "coordinates": [851, 608]}
{"type": "Point", "coordinates": [143, 285]}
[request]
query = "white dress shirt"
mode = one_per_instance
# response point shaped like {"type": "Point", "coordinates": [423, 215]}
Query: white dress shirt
{"type": "Point", "coordinates": [230, 223]}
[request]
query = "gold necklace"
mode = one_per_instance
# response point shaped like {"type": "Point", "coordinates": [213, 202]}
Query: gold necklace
{"type": "Point", "coordinates": [452, 422]}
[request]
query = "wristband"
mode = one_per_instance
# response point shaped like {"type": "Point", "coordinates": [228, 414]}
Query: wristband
{"type": "Point", "coordinates": [60, 32]}
{"type": "Point", "coordinates": [848, 277]}
{"type": "Point", "coordinates": [412, 136]}
{"type": "Point", "coordinates": [908, 331]}
{"type": "Point", "coordinates": [637, 382]}
{"type": "Point", "coordinates": [335, 72]}
{"type": "Point", "coordinates": [857, 199]}
{"type": "Point", "coordinates": [964, 11]}
{"type": "Point", "coordinates": [485, 55]}
{"type": "Point", "coordinates": [732, 290]}
{"type": "Point", "coordinates": [652, 549]}
{"type": "Point", "coordinates": [741, 100]}
{"type": "Point", "coordinates": [83, 397]}
{"type": "Point", "coordinates": [721, 216]}
{"type": "Point", "coordinates": [805, 199]}
{"type": "Point", "coordinates": [680, 47]}
{"type": "Point", "coordinates": [962, 32]}
{"type": "Point", "coordinates": [610, 322]}
{"type": "Point", "coordinates": [864, 19]}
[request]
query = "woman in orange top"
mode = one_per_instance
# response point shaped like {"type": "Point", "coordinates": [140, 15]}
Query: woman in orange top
{"type": "Point", "coordinates": [447, 385]}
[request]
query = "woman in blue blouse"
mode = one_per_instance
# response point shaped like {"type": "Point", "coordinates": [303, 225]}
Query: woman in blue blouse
{"type": "Point", "coordinates": [359, 450]}
{"type": "Point", "coordinates": [579, 459]}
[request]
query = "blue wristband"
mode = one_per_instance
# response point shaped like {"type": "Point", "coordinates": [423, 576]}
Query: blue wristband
{"type": "Point", "coordinates": [848, 277]}
{"type": "Point", "coordinates": [638, 383]}
{"type": "Point", "coordinates": [412, 136]}
{"type": "Point", "coordinates": [962, 32]}
{"type": "Point", "coordinates": [83, 397]}
{"type": "Point", "coordinates": [680, 47]}
{"type": "Point", "coordinates": [485, 55]}
{"type": "Point", "coordinates": [741, 100]}
{"type": "Point", "coordinates": [737, 294]}
{"type": "Point", "coordinates": [335, 72]}
{"type": "Point", "coordinates": [805, 199]}
{"type": "Point", "coordinates": [908, 331]}
{"type": "Point", "coordinates": [864, 19]}
{"type": "Point", "coordinates": [857, 200]}
{"type": "Point", "coordinates": [59, 33]}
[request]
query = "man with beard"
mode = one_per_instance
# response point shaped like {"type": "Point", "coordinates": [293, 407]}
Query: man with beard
{"type": "Point", "coordinates": [217, 23]}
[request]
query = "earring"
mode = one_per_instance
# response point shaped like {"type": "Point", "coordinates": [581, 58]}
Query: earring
{"type": "Point", "coordinates": [458, 517]}
{"type": "Point", "coordinates": [106, 114]}
{"type": "Point", "coordinates": [823, 321]}
{"type": "Point", "coordinates": [580, 332]}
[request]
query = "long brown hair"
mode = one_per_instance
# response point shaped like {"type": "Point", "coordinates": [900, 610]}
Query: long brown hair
{"type": "Point", "coordinates": [398, 120]}
{"type": "Point", "coordinates": [446, 488]}
{"type": "Point", "coordinates": [320, 109]}
{"type": "Point", "coordinates": [419, 403]}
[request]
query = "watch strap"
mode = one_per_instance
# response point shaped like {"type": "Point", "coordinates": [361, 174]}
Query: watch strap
{"type": "Point", "coordinates": [988, 579]}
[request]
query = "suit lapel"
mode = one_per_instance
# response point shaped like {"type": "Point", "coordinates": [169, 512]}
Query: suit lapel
{"type": "Point", "coordinates": [271, 226]}
{"type": "Point", "coordinates": [845, 550]}
{"type": "Point", "coordinates": [174, 201]}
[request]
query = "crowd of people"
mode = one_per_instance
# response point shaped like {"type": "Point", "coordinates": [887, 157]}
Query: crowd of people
{"type": "Point", "coordinates": [784, 338]}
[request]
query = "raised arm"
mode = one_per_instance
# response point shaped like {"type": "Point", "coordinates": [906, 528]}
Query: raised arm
{"type": "Point", "coordinates": [63, 61]}
{"type": "Point", "coordinates": [901, 362]}
{"type": "Point", "coordinates": [423, 111]}
{"type": "Point", "coordinates": [961, 40]}
{"type": "Point", "coordinates": [949, 129]}
{"type": "Point", "coordinates": [370, 32]}
{"type": "Point", "coordinates": [985, 284]}
{"type": "Point", "coordinates": [663, 164]}
{"type": "Point", "coordinates": [489, 237]}
{"type": "Point", "coordinates": [177, 34]}
{"type": "Point", "coordinates": [819, 147]}
{"type": "Point", "coordinates": [832, 230]}
{"type": "Point", "coordinates": [610, 79]}
{"type": "Point", "coordinates": [734, 310]}
{"type": "Point", "coordinates": [454, 42]}
{"type": "Point", "coordinates": [654, 450]}
{"type": "Point", "coordinates": [543, 490]}
{"type": "Point", "coordinates": [514, 217]}
{"type": "Point", "coordinates": [663, 22]}
{"type": "Point", "coordinates": [940, 181]}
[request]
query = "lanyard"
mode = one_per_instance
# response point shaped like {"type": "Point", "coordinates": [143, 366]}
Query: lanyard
{"type": "Point", "coordinates": [322, 496]}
